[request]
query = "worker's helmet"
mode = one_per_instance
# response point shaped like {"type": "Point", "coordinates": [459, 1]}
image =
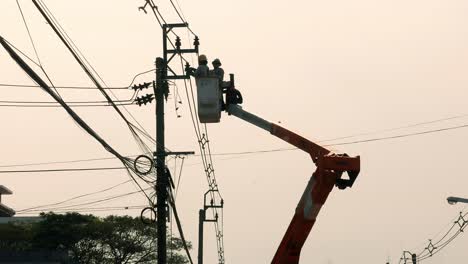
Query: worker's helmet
{"type": "Point", "coordinates": [202, 58]}
{"type": "Point", "coordinates": [216, 62]}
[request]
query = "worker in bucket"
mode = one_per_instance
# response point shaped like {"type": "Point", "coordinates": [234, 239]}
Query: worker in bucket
{"type": "Point", "coordinates": [217, 71]}
{"type": "Point", "coordinates": [202, 70]}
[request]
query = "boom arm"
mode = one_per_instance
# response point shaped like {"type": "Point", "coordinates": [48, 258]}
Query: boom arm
{"type": "Point", "coordinates": [330, 168]}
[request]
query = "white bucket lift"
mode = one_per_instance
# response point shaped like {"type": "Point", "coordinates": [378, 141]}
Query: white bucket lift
{"type": "Point", "coordinates": [209, 99]}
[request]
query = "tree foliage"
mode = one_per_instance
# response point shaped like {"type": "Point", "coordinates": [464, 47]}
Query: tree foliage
{"type": "Point", "coordinates": [89, 239]}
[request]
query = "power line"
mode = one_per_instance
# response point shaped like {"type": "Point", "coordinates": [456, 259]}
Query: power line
{"type": "Point", "coordinates": [55, 162]}
{"type": "Point", "coordinates": [399, 136]}
{"type": "Point", "coordinates": [179, 225]}
{"type": "Point", "coordinates": [76, 197]}
{"type": "Point", "coordinates": [240, 153]}
{"type": "Point", "coordinates": [398, 128]}
{"type": "Point", "coordinates": [131, 101]}
{"type": "Point", "coordinates": [79, 87]}
{"type": "Point", "coordinates": [91, 209]}
{"type": "Point", "coordinates": [181, 16]}
{"type": "Point", "coordinates": [62, 170]}
{"type": "Point", "coordinates": [61, 87]}
{"type": "Point", "coordinates": [433, 248]}
{"type": "Point", "coordinates": [34, 47]}
{"type": "Point", "coordinates": [56, 106]}
{"type": "Point", "coordinates": [106, 199]}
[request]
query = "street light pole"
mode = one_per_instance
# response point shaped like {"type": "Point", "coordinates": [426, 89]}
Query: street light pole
{"type": "Point", "coordinates": [454, 200]}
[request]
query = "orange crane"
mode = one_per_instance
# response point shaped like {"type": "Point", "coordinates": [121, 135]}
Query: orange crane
{"type": "Point", "coordinates": [329, 172]}
{"type": "Point", "coordinates": [330, 168]}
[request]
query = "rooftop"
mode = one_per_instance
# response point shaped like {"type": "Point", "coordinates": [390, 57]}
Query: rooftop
{"type": "Point", "coordinates": [5, 190]}
{"type": "Point", "coordinates": [6, 211]}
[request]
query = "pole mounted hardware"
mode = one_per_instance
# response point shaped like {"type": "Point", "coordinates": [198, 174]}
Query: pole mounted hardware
{"type": "Point", "coordinates": [169, 54]}
{"type": "Point", "coordinates": [152, 216]}
{"type": "Point", "coordinates": [140, 86]}
{"type": "Point", "coordinates": [143, 165]}
{"type": "Point", "coordinates": [145, 99]}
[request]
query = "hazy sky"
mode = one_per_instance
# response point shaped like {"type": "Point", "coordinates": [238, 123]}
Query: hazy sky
{"type": "Point", "coordinates": [324, 69]}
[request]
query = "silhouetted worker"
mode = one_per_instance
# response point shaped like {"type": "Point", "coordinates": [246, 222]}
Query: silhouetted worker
{"type": "Point", "coordinates": [202, 70]}
{"type": "Point", "coordinates": [217, 71]}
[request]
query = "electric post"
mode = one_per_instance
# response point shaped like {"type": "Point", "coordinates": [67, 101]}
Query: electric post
{"type": "Point", "coordinates": [161, 179]}
{"type": "Point", "coordinates": [161, 91]}
{"type": "Point", "coordinates": [202, 219]}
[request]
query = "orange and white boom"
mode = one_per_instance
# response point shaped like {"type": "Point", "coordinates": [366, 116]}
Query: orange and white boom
{"type": "Point", "coordinates": [330, 168]}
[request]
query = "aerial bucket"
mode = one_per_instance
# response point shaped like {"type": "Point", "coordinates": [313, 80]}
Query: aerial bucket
{"type": "Point", "coordinates": [209, 99]}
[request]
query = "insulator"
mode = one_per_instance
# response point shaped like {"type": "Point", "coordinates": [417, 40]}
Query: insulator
{"type": "Point", "coordinates": [144, 99]}
{"type": "Point", "coordinates": [187, 68]}
{"type": "Point", "coordinates": [177, 43]}
{"type": "Point", "coordinates": [196, 42]}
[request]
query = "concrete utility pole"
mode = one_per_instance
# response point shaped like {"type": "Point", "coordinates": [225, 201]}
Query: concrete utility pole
{"type": "Point", "coordinates": [161, 91]}
{"type": "Point", "coordinates": [161, 177]}
{"type": "Point", "coordinates": [202, 219]}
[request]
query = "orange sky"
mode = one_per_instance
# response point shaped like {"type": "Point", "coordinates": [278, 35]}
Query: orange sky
{"type": "Point", "coordinates": [324, 69]}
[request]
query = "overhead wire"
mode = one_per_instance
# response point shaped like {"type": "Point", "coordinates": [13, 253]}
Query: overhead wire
{"type": "Point", "coordinates": [399, 136]}
{"type": "Point", "coordinates": [80, 87]}
{"type": "Point", "coordinates": [181, 15]}
{"type": "Point", "coordinates": [55, 106]}
{"type": "Point", "coordinates": [55, 162]}
{"type": "Point", "coordinates": [126, 161]}
{"type": "Point", "coordinates": [240, 153]}
{"type": "Point", "coordinates": [75, 197]}
{"type": "Point", "coordinates": [22, 53]}
{"type": "Point", "coordinates": [179, 225]}
{"type": "Point", "coordinates": [61, 87]}
{"type": "Point", "coordinates": [62, 170]}
{"type": "Point", "coordinates": [89, 210]}
{"type": "Point", "coordinates": [84, 63]}
{"type": "Point", "coordinates": [204, 144]}
{"type": "Point", "coordinates": [126, 101]}
{"type": "Point", "coordinates": [34, 45]}
{"type": "Point", "coordinates": [98, 201]}
{"type": "Point", "coordinates": [179, 178]}
{"type": "Point", "coordinates": [80, 58]}
{"type": "Point", "coordinates": [433, 248]}
{"type": "Point", "coordinates": [397, 128]}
